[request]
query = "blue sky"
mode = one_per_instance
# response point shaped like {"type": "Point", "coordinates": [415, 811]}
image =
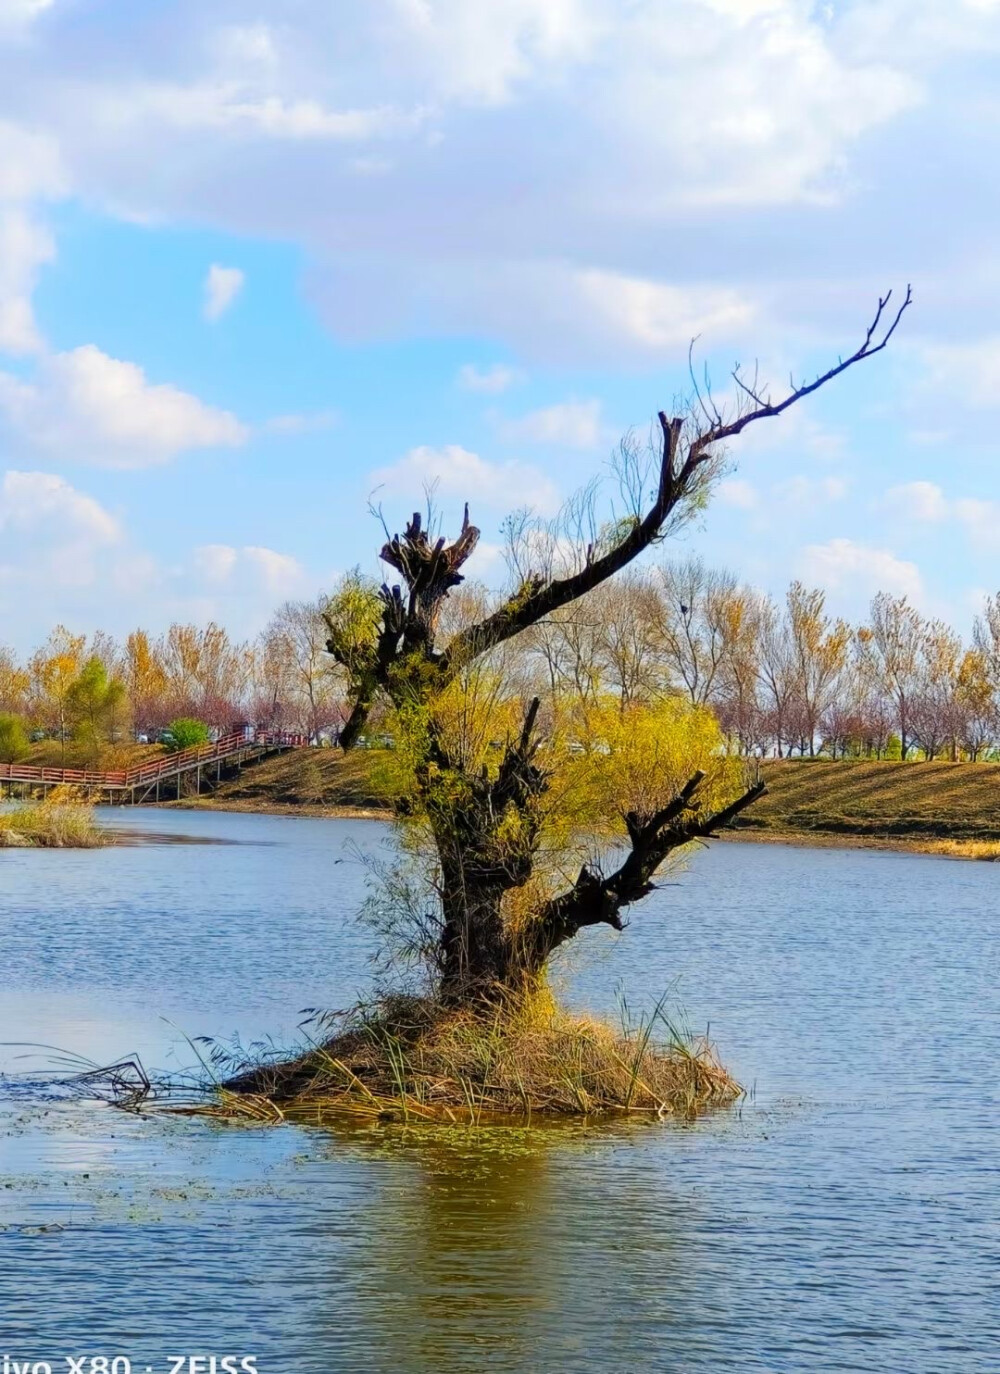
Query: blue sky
{"type": "Point", "coordinates": [259, 262]}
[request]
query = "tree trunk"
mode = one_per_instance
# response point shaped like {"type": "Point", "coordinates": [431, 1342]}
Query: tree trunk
{"type": "Point", "coordinates": [475, 955]}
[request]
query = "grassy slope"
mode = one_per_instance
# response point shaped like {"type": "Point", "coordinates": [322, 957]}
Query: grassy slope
{"type": "Point", "coordinates": [916, 801]}
{"type": "Point", "coordinates": [50, 753]}
{"type": "Point", "coordinates": [305, 780]}
{"type": "Point", "coordinates": [913, 801]}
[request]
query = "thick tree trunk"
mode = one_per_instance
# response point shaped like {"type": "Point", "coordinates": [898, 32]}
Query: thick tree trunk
{"type": "Point", "coordinates": [475, 955]}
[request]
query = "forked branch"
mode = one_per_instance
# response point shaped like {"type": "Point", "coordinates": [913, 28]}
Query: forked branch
{"type": "Point", "coordinates": [598, 900]}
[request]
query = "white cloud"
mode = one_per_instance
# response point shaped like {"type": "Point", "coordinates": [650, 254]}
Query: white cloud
{"type": "Point", "coordinates": [656, 120]}
{"type": "Point", "coordinates": [226, 108]}
{"type": "Point", "coordinates": [662, 315]}
{"type": "Point", "coordinates": [31, 164]}
{"type": "Point", "coordinates": [86, 406]}
{"type": "Point", "coordinates": [222, 286]}
{"type": "Point", "coordinates": [25, 246]}
{"type": "Point", "coordinates": [489, 380]}
{"type": "Point", "coordinates": [53, 539]}
{"type": "Point", "coordinates": [455, 471]}
{"type": "Point", "coordinates": [222, 566]}
{"type": "Point", "coordinates": [924, 501]}
{"type": "Point", "coordinates": [280, 573]}
{"type": "Point", "coordinates": [841, 565]}
{"type": "Point", "coordinates": [30, 500]}
{"type": "Point", "coordinates": [17, 16]}
{"type": "Point", "coordinates": [571, 424]}
{"type": "Point", "coordinates": [64, 557]}
{"type": "Point", "coordinates": [735, 492]}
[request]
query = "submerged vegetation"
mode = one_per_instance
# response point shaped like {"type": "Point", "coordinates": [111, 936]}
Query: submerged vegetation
{"type": "Point", "coordinates": [61, 820]}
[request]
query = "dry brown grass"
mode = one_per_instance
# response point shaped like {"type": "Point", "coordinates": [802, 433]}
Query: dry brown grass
{"type": "Point", "coordinates": [305, 781]}
{"type": "Point", "coordinates": [408, 1059]}
{"type": "Point", "coordinates": [61, 821]}
{"type": "Point", "coordinates": [988, 850]}
{"type": "Point", "coordinates": [916, 801]}
{"type": "Point", "coordinates": [49, 753]}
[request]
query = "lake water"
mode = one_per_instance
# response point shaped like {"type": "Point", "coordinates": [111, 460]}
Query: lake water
{"type": "Point", "coordinates": [846, 1217]}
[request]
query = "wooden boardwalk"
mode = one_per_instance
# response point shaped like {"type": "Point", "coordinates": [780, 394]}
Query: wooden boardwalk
{"type": "Point", "coordinates": [159, 778]}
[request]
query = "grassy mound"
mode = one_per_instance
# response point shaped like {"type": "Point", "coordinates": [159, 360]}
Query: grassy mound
{"type": "Point", "coordinates": [408, 1058]}
{"type": "Point", "coordinates": [60, 821]}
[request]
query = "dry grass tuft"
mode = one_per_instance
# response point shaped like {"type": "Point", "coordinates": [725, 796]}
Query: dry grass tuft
{"type": "Point", "coordinates": [409, 1059]}
{"type": "Point", "coordinates": [966, 849]}
{"type": "Point", "coordinates": [62, 820]}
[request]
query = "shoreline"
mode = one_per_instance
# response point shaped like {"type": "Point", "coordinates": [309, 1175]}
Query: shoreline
{"type": "Point", "coordinates": [941, 847]}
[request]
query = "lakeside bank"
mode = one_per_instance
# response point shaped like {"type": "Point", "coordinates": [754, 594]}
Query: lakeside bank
{"type": "Point", "coordinates": [949, 809]}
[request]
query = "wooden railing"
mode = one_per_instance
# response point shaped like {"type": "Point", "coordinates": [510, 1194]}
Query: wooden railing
{"type": "Point", "coordinates": [182, 761]}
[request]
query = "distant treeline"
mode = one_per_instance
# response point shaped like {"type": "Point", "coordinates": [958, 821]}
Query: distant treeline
{"type": "Point", "coordinates": [784, 678]}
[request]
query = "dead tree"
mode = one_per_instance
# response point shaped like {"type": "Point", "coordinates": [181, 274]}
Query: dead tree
{"type": "Point", "coordinates": [477, 954]}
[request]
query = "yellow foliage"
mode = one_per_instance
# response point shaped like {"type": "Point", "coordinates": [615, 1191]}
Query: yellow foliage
{"type": "Point", "coordinates": [639, 758]}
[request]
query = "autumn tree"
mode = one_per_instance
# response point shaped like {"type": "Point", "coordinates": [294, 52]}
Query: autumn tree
{"type": "Point", "coordinates": [94, 704]}
{"type": "Point", "coordinates": [498, 910]}
{"type": "Point", "coordinates": [207, 674]}
{"type": "Point", "coordinates": [15, 682]}
{"type": "Point", "coordinates": [13, 738]}
{"type": "Point", "coordinates": [898, 631]}
{"type": "Point", "coordinates": [935, 711]}
{"type": "Point", "coordinates": [53, 670]}
{"type": "Point", "coordinates": [299, 673]}
{"type": "Point", "coordinates": [819, 649]}
{"type": "Point", "coordinates": [975, 704]}
{"type": "Point", "coordinates": [145, 680]}
{"type": "Point", "coordinates": [696, 619]}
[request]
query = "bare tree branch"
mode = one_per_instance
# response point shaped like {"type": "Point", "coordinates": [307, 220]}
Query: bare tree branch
{"type": "Point", "coordinates": [537, 598]}
{"type": "Point", "coordinates": [598, 900]}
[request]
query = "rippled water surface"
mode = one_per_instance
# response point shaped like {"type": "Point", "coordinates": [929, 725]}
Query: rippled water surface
{"type": "Point", "coordinates": [848, 1217]}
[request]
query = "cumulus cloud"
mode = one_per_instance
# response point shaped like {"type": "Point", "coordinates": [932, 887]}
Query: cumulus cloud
{"type": "Point", "coordinates": [841, 565]}
{"type": "Point", "coordinates": [455, 471]}
{"type": "Point", "coordinates": [31, 164]}
{"type": "Point", "coordinates": [926, 503]}
{"type": "Point", "coordinates": [86, 406]}
{"type": "Point", "coordinates": [222, 286]}
{"type": "Point", "coordinates": [280, 575]}
{"type": "Point", "coordinates": [53, 539]}
{"type": "Point", "coordinates": [32, 500]}
{"type": "Point", "coordinates": [657, 119]}
{"type": "Point", "coordinates": [571, 424]}
{"type": "Point", "coordinates": [64, 557]}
